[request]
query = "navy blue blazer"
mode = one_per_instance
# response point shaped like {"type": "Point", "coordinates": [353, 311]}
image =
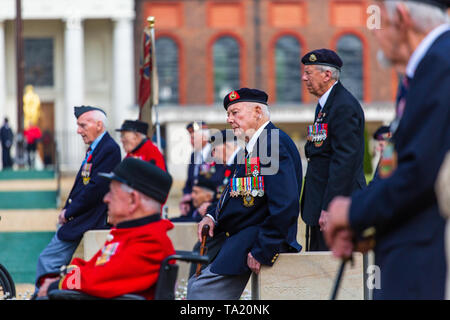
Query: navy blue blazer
{"type": "Point", "coordinates": [270, 225]}
{"type": "Point", "coordinates": [403, 208]}
{"type": "Point", "coordinates": [336, 167]}
{"type": "Point", "coordinates": [85, 209]}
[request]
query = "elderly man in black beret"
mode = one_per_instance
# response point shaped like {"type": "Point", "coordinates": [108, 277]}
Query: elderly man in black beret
{"type": "Point", "coordinates": [130, 259]}
{"type": "Point", "coordinates": [258, 211]}
{"type": "Point", "coordinates": [335, 143]}
{"type": "Point", "coordinates": [84, 209]}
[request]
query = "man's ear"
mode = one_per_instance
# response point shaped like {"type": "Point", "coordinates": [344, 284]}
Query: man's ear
{"type": "Point", "coordinates": [135, 201]}
{"type": "Point", "coordinates": [402, 17]}
{"type": "Point", "coordinates": [258, 112]}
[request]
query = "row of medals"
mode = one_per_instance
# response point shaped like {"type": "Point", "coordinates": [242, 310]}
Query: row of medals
{"type": "Point", "coordinates": [248, 196]}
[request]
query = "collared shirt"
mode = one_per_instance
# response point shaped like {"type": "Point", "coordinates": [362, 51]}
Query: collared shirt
{"type": "Point", "coordinates": [323, 99]}
{"type": "Point", "coordinates": [251, 144]}
{"type": "Point", "coordinates": [93, 146]}
{"type": "Point", "coordinates": [423, 47]}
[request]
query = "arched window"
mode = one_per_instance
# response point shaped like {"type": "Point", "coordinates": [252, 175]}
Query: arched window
{"type": "Point", "coordinates": [168, 70]}
{"type": "Point", "coordinates": [226, 63]}
{"type": "Point", "coordinates": [287, 68]}
{"type": "Point", "coordinates": [350, 49]}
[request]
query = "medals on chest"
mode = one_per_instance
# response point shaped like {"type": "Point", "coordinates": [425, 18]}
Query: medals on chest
{"type": "Point", "coordinates": [250, 186]}
{"type": "Point", "coordinates": [317, 133]}
{"type": "Point", "coordinates": [86, 170]}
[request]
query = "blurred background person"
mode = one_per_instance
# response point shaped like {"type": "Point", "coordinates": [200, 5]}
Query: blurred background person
{"type": "Point", "coordinates": [7, 138]}
{"type": "Point", "coordinates": [133, 135]}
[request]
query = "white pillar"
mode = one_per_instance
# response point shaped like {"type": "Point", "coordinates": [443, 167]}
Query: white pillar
{"type": "Point", "coordinates": [74, 90]}
{"type": "Point", "coordinates": [123, 97]}
{"type": "Point", "coordinates": [2, 72]}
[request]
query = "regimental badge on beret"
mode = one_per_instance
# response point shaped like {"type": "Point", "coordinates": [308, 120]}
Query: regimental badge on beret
{"type": "Point", "coordinates": [312, 57]}
{"type": "Point", "coordinates": [233, 96]}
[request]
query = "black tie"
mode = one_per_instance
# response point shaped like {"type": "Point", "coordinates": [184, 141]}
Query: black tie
{"type": "Point", "coordinates": [318, 108]}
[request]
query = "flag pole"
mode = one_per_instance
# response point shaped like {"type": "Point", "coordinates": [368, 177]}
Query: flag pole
{"type": "Point", "coordinates": [154, 82]}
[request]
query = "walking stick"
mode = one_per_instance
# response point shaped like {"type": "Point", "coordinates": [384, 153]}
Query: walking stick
{"type": "Point", "coordinates": [338, 279]}
{"type": "Point", "coordinates": [203, 248]}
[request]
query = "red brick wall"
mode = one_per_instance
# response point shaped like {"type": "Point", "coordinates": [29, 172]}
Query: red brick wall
{"type": "Point", "coordinates": [194, 25]}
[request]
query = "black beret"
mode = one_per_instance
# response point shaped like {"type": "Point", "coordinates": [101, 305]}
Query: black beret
{"type": "Point", "coordinates": [83, 109]}
{"type": "Point", "coordinates": [134, 125]}
{"type": "Point", "coordinates": [142, 176]}
{"type": "Point", "coordinates": [245, 95]}
{"type": "Point", "coordinates": [382, 133]}
{"type": "Point", "coordinates": [443, 4]}
{"type": "Point", "coordinates": [221, 137]}
{"type": "Point", "coordinates": [325, 57]}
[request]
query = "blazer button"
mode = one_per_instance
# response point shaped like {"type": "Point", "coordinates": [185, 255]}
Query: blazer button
{"type": "Point", "coordinates": [70, 201]}
{"type": "Point", "coordinates": [308, 159]}
{"type": "Point", "coordinates": [227, 234]}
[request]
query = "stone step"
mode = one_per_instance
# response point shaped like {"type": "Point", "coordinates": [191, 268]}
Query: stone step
{"type": "Point", "coordinates": [27, 174]}
{"type": "Point", "coordinates": [20, 252]}
{"type": "Point", "coordinates": [28, 185]}
{"type": "Point", "coordinates": [28, 199]}
{"type": "Point", "coordinates": [28, 220]}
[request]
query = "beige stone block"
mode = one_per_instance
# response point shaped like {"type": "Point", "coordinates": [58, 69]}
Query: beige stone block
{"type": "Point", "coordinates": [310, 276]}
{"type": "Point", "coordinates": [28, 220]}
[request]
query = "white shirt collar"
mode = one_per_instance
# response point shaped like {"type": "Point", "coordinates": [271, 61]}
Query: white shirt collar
{"type": "Point", "coordinates": [423, 47]}
{"type": "Point", "coordinates": [323, 99]}
{"type": "Point", "coordinates": [251, 144]}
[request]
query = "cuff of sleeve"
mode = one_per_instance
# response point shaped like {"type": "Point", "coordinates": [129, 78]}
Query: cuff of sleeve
{"type": "Point", "coordinates": [356, 216]}
{"type": "Point", "coordinates": [212, 218]}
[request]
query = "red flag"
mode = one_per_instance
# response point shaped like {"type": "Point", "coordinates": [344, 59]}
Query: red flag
{"type": "Point", "coordinates": [148, 82]}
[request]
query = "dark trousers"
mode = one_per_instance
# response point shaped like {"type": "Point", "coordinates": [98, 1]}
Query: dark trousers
{"type": "Point", "coordinates": [6, 158]}
{"type": "Point", "coordinates": [314, 239]}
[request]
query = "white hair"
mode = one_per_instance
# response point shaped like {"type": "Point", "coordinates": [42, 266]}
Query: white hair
{"type": "Point", "coordinates": [97, 115]}
{"type": "Point", "coordinates": [148, 204]}
{"type": "Point", "coordinates": [264, 108]}
{"type": "Point", "coordinates": [425, 16]}
{"type": "Point", "coordinates": [335, 73]}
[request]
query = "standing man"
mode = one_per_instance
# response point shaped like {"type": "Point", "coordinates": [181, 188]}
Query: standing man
{"type": "Point", "coordinates": [133, 135]}
{"type": "Point", "coordinates": [401, 206]}
{"type": "Point", "coordinates": [258, 211]}
{"type": "Point", "coordinates": [84, 209]}
{"type": "Point", "coordinates": [335, 146]}
{"type": "Point", "coordinates": [7, 137]}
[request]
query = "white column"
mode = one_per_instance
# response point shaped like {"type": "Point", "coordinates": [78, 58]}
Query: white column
{"type": "Point", "coordinates": [74, 89]}
{"type": "Point", "coordinates": [123, 96]}
{"type": "Point", "coordinates": [2, 71]}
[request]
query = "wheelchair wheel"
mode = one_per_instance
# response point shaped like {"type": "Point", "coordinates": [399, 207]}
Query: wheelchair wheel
{"type": "Point", "coordinates": [7, 287]}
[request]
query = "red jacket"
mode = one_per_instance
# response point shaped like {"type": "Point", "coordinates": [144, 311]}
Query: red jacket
{"type": "Point", "coordinates": [147, 151]}
{"type": "Point", "coordinates": [128, 262]}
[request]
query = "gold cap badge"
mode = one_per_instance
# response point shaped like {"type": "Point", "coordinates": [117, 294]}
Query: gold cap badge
{"type": "Point", "coordinates": [312, 57]}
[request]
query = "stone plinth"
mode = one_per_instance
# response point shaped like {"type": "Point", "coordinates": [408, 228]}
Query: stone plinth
{"type": "Point", "coordinates": [310, 276]}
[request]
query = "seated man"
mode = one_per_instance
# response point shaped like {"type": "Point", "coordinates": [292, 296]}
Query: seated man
{"type": "Point", "coordinates": [133, 135]}
{"type": "Point", "coordinates": [130, 259]}
{"type": "Point", "coordinates": [203, 194]}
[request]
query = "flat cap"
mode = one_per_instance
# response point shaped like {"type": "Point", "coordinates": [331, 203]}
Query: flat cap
{"type": "Point", "coordinates": [245, 95]}
{"type": "Point", "coordinates": [325, 57]}
{"type": "Point", "coordinates": [134, 125]}
{"type": "Point", "coordinates": [142, 176]}
{"type": "Point", "coordinates": [83, 109]}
